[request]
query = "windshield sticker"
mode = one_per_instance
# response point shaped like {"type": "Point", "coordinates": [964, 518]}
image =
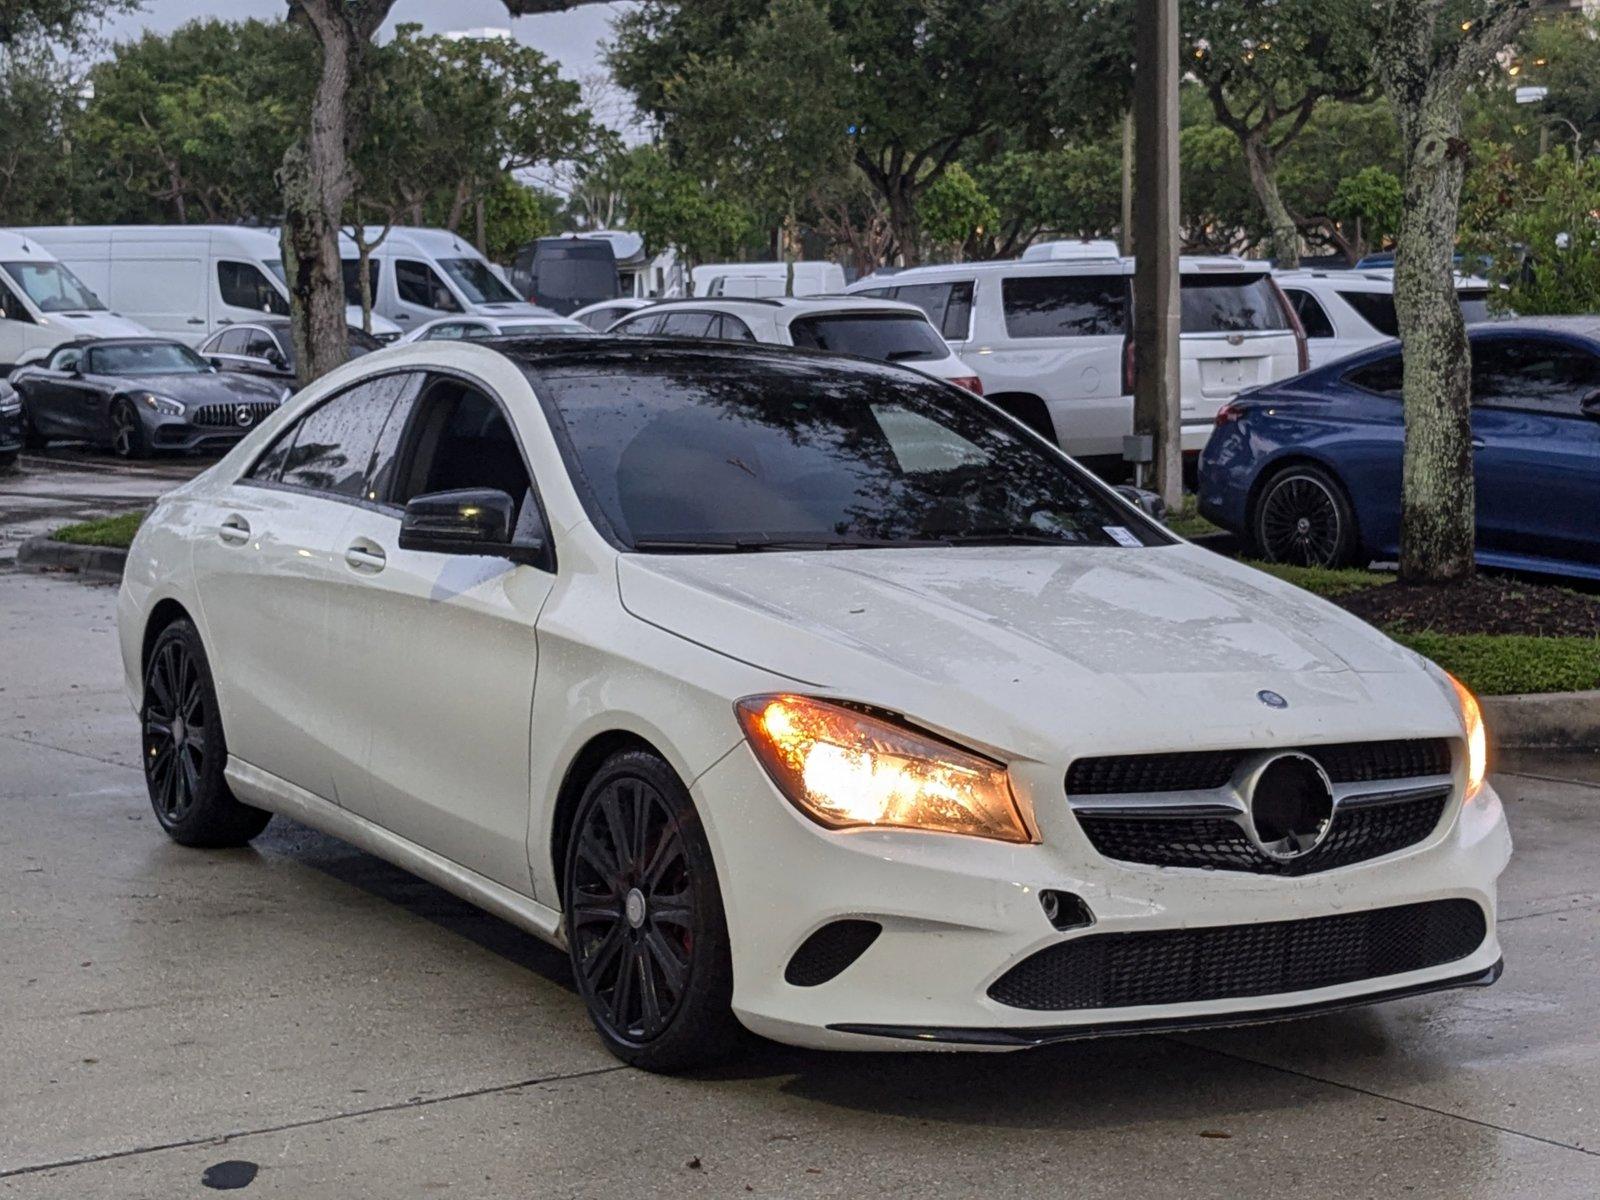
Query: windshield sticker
{"type": "Point", "coordinates": [1121, 536]}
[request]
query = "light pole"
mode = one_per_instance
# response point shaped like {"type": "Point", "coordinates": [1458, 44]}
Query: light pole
{"type": "Point", "coordinates": [1157, 411]}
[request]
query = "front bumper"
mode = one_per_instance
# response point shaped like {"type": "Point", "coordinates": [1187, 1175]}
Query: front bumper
{"type": "Point", "coordinates": [175, 433]}
{"type": "Point", "coordinates": [958, 913]}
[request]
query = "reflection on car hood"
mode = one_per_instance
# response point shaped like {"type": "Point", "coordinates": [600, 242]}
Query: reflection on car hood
{"type": "Point", "coordinates": [225, 387]}
{"type": "Point", "coordinates": [990, 641]}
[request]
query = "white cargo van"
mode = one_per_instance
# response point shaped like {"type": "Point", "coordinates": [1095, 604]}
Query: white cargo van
{"type": "Point", "coordinates": [183, 281]}
{"type": "Point", "coordinates": [1051, 337]}
{"type": "Point", "coordinates": [419, 275]}
{"type": "Point", "coordinates": [758, 279]}
{"type": "Point", "coordinates": [42, 303]}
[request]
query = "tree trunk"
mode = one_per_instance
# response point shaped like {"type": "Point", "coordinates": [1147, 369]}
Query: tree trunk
{"type": "Point", "coordinates": [1439, 515]}
{"type": "Point", "coordinates": [1263, 167]}
{"type": "Point", "coordinates": [903, 221]}
{"type": "Point", "coordinates": [316, 181]}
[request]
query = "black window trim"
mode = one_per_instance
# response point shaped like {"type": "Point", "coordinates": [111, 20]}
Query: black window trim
{"type": "Point", "coordinates": [430, 377]}
{"type": "Point", "coordinates": [1347, 376]}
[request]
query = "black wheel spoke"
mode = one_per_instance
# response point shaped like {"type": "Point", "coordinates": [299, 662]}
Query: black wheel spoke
{"type": "Point", "coordinates": [675, 910]}
{"type": "Point", "coordinates": [601, 862]}
{"type": "Point", "coordinates": [674, 971]}
{"type": "Point", "coordinates": [622, 995]}
{"type": "Point", "coordinates": [669, 850]}
{"type": "Point", "coordinates": [649, 999]}
{"type": "Point", "coordinates": [603, 953]}
{"type": "Point", "coordinates": [617, 827]}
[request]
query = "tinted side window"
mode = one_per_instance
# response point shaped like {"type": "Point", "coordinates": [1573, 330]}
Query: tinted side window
{"type": "Point", "coordinates": [1065, 305]}
{"type": "Point", "coordinates": [948, 305]}
{"type": "Point", "coordinates": [1532, 373]}
{"type": "Point", "coordinates": [733, 329]}
{"type": "Point", "coordinates": [232, 341]}
{"type": "Point", "coordinates": [688, 324]}
{"type": "Point", "coordinates": [244, 286]}
{"type": "Point", "coordinates": [333, 445]}
{"type": "Point", "coordinates": [957, 323]}
{"type": "Point", "coordinates": [418, 284]}
{"type": "Point", "coordinates": [11, 308]}
{"type": "Point", "coordinates": [1311, 314]}
{"type": "Point", "coordinates": [641, 326]}
{"type": "Point", "coordinates": [259, 344]}
{"type": "Point", "coordinates": [1383, 376]}
{"type": "Point", "coordinates": [1376, 309]}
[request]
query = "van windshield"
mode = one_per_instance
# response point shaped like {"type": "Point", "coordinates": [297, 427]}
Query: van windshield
{"type": "Point", "coordinates": [1230, 304]}
{"type": "Point", "coordinates": [52, 287]}
{"type": "Point", "coordinates": [477, 282]}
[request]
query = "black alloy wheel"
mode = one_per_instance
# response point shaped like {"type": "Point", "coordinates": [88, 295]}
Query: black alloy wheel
{"type": "Point", "coordinates": [184, 752]}
{"type": "Point", "coordinates": [1304, 518]}
{"type": "Point", "coordinates": [127, 434]}
{"type": "Point", "coordinates": [645, 926]}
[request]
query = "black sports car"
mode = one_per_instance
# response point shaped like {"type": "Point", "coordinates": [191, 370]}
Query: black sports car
{"type": "Point", "coordinates": [138, 395]}
{"type": "Point", "coordinates": [265, 349]}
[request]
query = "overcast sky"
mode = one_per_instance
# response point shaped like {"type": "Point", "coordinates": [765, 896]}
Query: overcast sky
{"type": "Point", "coordinates": [570, 38]}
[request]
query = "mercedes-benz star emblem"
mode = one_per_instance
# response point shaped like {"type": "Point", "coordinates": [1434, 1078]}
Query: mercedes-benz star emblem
{"type": "Point", "coordinates": [1271, 699]}
{"type": "Point", "coordinates": [243, 415]}
{"type": "Point", "coordinates": [1290, 803]}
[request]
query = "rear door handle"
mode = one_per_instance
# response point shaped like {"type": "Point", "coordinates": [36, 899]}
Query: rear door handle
{"type": "Point", "coordinates": [1479, 443]}
{"type": "Point", "coordinates": [235, 530]}
{"type": "Point", "coordinates": [365, 556]}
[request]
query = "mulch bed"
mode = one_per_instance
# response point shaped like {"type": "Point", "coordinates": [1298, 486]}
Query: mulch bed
{"type": "Point", "coordinates": [1486, 605]}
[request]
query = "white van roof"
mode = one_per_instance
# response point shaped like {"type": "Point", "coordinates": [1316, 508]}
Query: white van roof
{"type": "Point", "coordinates": [19, 247]}
{"type": "Point", "coordinates": [417, 239]}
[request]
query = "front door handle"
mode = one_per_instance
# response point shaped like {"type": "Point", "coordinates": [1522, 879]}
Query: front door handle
{"type": "Point", "coordinates": [197, 320]}
{"type": "Point", "coordinates": [235, 531]}
{"type": "Point", "coordinates": [366, 557]}
{"type": "Point", "coordinates": [1479, 443]}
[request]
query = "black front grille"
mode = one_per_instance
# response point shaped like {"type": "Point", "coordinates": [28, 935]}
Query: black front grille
{"type": "Point", "coordinates": [1355, 835]}
{"type": "Point", "coordinates": [226, 416]}
{"type": "Point", "coordinates": [1350, 762]}
{"type": "Point", "coordinates": [1182, 966]}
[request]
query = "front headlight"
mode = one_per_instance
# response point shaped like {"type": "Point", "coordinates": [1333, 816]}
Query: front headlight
{"type": "Point", "coordinates": [844, 768]}
{"type": "Point", "coordinates": [1477, 736]}
{"type": "Point", "coordinates": [10, 403]}
{"type": "Point", "coordinates": [162, 405]}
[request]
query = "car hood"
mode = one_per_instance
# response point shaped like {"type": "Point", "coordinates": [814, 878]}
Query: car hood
{"type": "Point", "coordinates": [97, 323]}
{"type": "Point", "coordinates": [224, 387]}
{"type": "Point", "coordinates": [1023, 646]}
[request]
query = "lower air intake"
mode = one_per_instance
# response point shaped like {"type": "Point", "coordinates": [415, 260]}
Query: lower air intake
{"type": "Point", "coordinates": [827, 952]}
{"type": "Point", "coordinates": [1180, 966]}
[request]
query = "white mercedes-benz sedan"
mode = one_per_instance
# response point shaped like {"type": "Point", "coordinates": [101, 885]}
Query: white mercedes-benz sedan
{"type": "Point", "coordinates": [803, 695]}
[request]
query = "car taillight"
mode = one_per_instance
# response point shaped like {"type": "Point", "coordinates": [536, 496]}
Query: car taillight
{"type": "Point", "coordinates": [1130, 367]}
{"type": "Point", "coordinates": [1229, 413]}
{"type": "Point", "coordinates": [1301, 346]}
{"type": "Point", "coordinates": [971, 382]}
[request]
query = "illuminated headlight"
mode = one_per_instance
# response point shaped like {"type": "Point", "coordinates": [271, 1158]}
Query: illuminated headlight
{"type": "Point", "coordinates": [162, 405]}
{"type": "Point", "coordinates": [1477, 736]}
{"type": "Point", "coordinates": [844, 768]}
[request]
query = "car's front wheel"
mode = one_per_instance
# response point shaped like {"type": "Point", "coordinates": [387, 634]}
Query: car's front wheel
{"type": "Point", "coordinates": [127, 431]}
{"type": "Point", "coordinates": [32, 439]}
{"type": "Point", "coordinates": [1304, 517]}
{"type": "Point", "coordinates": [645, 925]}
{"type": "Point", "coordinates": [184, 750]}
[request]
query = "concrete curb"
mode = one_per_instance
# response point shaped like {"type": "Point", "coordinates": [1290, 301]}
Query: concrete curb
{"type": "Point", "coordinates": [92, 562]}
{"type": "Point", "coordinates": [1557, 721]}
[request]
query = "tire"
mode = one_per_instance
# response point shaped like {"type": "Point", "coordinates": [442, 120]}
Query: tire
{"type": "Point", "coordinates": [1303, 516]}
{"type": "Point", "coordinates": [646, 931]}
{"type": "Point", "coordinates": [184, 773]}
{"type": "Point", "coordinates": [127, 431]}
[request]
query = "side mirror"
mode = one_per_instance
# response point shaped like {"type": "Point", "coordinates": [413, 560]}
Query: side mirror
{"type": "Point", "coordinates": [1149, 503]}
{"type": "Point", "coordinates": [468, 521]}
{"type": "Point", "coordinates": [274, 358]}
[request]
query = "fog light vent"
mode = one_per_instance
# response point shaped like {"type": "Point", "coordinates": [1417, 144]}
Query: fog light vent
{"type": "Point", "coordinates": [828, 951]}
{"type": "Point", "coordinates": [1065, 911]}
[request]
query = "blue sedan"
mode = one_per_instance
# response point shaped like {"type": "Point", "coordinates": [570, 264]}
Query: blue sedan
{"type": "Point", "coordinates": [1308, 470]}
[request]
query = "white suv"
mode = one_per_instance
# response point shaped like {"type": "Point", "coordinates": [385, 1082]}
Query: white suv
{"type": "Point", "coordinates": [1050, 339]}
{"type": "Point", "coordinates": [1346, 311]}
{"type": "Point", "coordinates": [867, 328]}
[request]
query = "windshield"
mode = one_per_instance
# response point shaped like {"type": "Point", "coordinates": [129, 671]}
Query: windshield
{"type": "Point", "coordinates": [146, 358]}
{"type": "Point", "coordinates": [684, 455]}
{"type": "Point", "coordinates": [52, 287]}
{"type": "Point", "coordinates": [1229, 304]}
{"type": "Point", "coordinates": [477, 282]}
{"type": "Point", "coordinates": [888, 337]}
{"type": "Point", "coordinates": [275, 265]}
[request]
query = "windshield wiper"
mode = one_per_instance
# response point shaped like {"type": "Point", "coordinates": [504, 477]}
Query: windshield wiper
{"type": "Point", "coordinates": [1001, 537]}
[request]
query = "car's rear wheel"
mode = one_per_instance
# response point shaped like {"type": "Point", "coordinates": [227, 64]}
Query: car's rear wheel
{"type": "Point", "coordinates": [184, 750]}
{"type": "Point", "coordinates": [1304, 517]}
{"type": "Point", "coordinates": [645, 925]}
{"type": "Point", "coordinates": [127, 432]}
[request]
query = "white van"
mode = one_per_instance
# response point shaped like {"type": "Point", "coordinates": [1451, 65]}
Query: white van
{"type": "Point", "coordinates": [767, 279]}
{"type": "Point", "coordinates": [1051, 338]}
{"type": "Point", "coordinates": [42, 303]}
{"type": "Point", "coordinates": [419, 275]}
{"type": "Point", "coordinates": [183, 281]}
